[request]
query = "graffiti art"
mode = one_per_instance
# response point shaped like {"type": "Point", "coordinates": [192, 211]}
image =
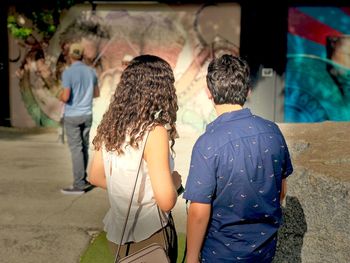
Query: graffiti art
{"type": "Point", "coordinates": [318, 67]}
{"type": "Point", "coordinates": [187, 36]}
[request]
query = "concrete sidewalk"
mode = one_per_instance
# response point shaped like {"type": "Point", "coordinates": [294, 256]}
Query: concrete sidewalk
{"type": "Point", "coordinates": [37, 222]}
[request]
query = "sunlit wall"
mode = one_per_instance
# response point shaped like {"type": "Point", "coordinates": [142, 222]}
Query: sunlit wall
{"type": "Point", "coordinates": [187, 36]}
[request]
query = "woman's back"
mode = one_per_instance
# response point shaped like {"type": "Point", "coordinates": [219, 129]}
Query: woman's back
{"type": "Point", "coordinates": [144, 101]}
{"type": "Point", "coordinates": [121, 171]}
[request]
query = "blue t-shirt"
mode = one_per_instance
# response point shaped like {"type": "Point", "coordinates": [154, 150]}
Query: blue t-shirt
{"type": "Point", "coordinates": [237, 166]}
{"type": "Point", "coordinates": [81, 80]}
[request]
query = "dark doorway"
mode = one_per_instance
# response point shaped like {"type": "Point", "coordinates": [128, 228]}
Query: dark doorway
{"type": "Point", "coordinates": [4, 71]}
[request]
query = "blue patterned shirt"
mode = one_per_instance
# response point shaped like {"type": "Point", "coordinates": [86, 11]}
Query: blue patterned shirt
{"type": "Point", "coordinates": [237, 166]}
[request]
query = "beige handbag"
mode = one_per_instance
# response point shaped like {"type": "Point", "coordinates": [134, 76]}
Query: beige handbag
{"type": "Point", "coordinates": [154, 253]}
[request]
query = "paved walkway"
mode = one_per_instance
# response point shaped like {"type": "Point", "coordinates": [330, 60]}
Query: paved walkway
{"type": "Point", "coordinates": [37, 222]}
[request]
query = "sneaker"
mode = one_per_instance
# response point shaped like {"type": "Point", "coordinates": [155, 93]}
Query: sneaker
{"type": "Point", "coordinates": [72, 191]}
{"type": "Point", "coordinates": [87, 187]}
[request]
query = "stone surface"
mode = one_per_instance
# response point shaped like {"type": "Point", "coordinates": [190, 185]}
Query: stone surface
{"type": "Point", "coordinates": [317, 207]}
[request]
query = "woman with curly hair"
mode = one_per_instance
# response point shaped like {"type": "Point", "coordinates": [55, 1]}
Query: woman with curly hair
{"type": "Point", "coordinates": [138, 126]}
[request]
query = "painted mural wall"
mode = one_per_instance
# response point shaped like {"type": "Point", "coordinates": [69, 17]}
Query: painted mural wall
{"type": "Point", "coordinates": [318, 68]}
{"type": "Point", "coordinates": [187, 36]}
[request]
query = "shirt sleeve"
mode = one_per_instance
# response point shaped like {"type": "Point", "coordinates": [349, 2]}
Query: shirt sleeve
{"type": "Point", "coordinates": [201, 181]}
{"type": "Point", "coordinates": [66, 80]}
{"type": "Point", "coordinates": [287, 162]}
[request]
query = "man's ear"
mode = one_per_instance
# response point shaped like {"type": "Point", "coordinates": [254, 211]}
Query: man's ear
{"type": "Point", "coordinates": [207, 91]}
{"type": "Point", "coordinates": [249, 93]}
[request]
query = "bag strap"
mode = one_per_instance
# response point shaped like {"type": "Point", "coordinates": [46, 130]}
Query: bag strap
{"type": "Point", "coordinates": [165, 235]}
{"type": "Point", "coordinates": [185, 250]}
{"type": "Point", "coordinates": [130, 203]}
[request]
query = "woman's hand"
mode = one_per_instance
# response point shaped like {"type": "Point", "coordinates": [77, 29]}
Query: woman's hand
{"type": "Point", "coordinates": [177, 179]}
{"type": "Point", "coordinates": [97, 172]}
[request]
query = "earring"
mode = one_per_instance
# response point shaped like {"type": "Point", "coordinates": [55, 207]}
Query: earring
{"type": "Point", "coordinates": [156, 115]}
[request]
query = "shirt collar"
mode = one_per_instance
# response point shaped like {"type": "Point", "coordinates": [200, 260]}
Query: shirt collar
{"type": "Point", "coordinates": [78, 62]}
{"type": "Point", "coordinates": [230, 116]}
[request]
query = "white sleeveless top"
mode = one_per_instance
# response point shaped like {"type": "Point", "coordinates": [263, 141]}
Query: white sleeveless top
{"type": "Point", "coordinates": [120, 173]}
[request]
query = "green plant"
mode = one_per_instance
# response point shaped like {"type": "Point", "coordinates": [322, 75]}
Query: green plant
{"type": "Point", "coordinates": [44, 18]}
{"type": "Point", "coordinates": [16, 30]}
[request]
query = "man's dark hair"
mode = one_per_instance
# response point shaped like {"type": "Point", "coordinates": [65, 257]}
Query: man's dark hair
{"type": "Point", "coordinates": [228, 80]}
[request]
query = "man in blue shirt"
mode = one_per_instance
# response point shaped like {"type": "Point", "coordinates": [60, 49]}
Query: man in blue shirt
{"type": "Point", "coordinates": [79, 88]}
{"type": "Point", "coordinates": [237, 176]}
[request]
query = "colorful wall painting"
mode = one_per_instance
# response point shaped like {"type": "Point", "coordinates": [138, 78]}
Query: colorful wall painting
{"type": "Point", "coordinates": [187, 36]}
{"type": "Point", "coordinates": [318, 68]}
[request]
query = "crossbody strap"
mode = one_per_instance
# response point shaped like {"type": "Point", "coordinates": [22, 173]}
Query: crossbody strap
{"type": "Point", "coordinates": [130, 203]}
{"type": "Point", "coordinates": [165, 235]}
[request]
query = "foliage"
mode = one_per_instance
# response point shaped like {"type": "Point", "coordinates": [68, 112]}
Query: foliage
{"type": "Point", "coordinates": [16, 30]}
{"type": "Point", "coordinates": [43, 16]}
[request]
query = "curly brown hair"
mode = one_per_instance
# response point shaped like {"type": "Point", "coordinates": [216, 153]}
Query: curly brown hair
{"type": "Point", "coordinates": [145, 97]}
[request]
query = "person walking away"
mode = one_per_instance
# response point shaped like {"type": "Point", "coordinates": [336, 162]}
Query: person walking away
{"type": "Point", "coordinates": [80, 86]}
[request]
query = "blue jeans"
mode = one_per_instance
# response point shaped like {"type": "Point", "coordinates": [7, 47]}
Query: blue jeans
{"type": "Point", "coordinates": [78, 132]}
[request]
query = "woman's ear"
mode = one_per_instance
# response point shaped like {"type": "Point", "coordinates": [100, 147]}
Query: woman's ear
{"type": "Point", "coordinates": [207, 91]}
